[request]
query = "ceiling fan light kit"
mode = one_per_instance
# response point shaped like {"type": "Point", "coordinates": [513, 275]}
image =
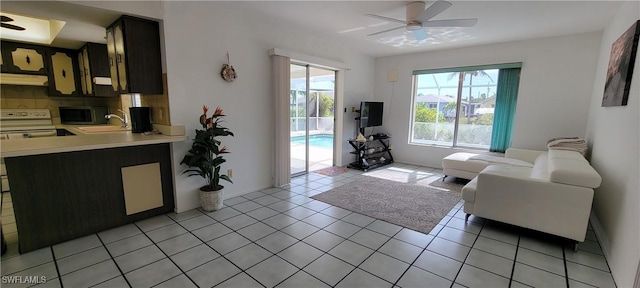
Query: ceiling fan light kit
{"type": "Point", "coordinates": [417, 18]}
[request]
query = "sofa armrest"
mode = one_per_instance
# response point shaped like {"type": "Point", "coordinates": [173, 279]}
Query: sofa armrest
{"type": "Point", "coordinates": [523, 154]}
{"type": "Point", "coordinates": [508, 195]}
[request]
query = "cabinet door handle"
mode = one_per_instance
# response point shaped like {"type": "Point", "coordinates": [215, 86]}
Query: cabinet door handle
{"type": "Point", "coordinates": [110, 61]}
{"type": "Point", "coordinates": [86, 72]}
{"type": "Point", "coordinates": [118, 58]}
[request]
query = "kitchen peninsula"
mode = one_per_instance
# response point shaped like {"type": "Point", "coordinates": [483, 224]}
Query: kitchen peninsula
{"type": "Point", "coordinates": [68, 187]}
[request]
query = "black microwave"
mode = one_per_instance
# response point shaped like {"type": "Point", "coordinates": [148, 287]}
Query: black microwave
{"type": "Point", "coordinates": [83, 115]}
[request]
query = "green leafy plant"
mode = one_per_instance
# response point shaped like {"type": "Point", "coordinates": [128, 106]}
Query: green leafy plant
{"type": "Point", "coordinates": [205, 156]}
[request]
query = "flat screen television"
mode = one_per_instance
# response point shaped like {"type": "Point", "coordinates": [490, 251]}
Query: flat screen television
{"type": "Point", "coordinates": [371, 114]}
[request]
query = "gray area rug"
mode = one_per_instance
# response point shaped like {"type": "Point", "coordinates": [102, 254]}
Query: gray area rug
{"type": "Point", "coordinates": [412, 202]}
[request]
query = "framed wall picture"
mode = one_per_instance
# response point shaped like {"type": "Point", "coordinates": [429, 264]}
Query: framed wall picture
{"type": "Point", "coordinates": [620, 69]}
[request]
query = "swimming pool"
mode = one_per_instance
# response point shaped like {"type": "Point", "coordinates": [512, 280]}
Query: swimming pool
{"type": "Point", "coordinates": [319, 140]}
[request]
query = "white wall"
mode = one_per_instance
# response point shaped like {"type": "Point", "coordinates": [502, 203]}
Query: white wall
{"type": "Point", "coordinates": [553, 99]}
{"type": "Point", "coordinates": [197, 38]}
{"type": "Point", "coordinates": [613, 134]}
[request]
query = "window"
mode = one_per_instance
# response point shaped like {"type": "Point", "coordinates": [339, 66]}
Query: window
{"type": "Point", "coordinates": [455, 107]}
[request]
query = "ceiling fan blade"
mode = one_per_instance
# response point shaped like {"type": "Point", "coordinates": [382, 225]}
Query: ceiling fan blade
{"type": "Point", "coordinates": [451, 23]}
{"type": "Point", "coordinates": [420, 34]}
{"type": "Point", "coordinates": [5, 18]}
{"type": "Point", "coordinates": [433, 10]}
{"type": "Point", "coordinates": [13, 27]}
{"type": "Point", "coordinates": [385, 31]}
{"type": "Point", "coordinates": [386, 18]}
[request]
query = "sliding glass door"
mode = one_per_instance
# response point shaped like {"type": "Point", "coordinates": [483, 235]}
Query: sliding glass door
{"type": "Point", "coordinates": [312, 102]}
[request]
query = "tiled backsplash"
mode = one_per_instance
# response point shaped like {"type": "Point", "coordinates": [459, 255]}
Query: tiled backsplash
{"type": "Point", "coordinates": [15, 96]}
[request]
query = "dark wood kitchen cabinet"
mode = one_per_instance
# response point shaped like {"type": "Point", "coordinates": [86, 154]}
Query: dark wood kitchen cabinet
{"type": "Point", "coordinates": [64, 75]}
{"type": "Point", "coordinates": [23, 58]}
{"type": "Point", "coordinates": [62, 196]}
{"type": "Point", "coordinates": [133, 46]}
{"type": "Point", "coordinates": [93, 60]}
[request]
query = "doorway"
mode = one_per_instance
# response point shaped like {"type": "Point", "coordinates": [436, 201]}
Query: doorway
{"type": "Point", "coordinates": [312, 106]}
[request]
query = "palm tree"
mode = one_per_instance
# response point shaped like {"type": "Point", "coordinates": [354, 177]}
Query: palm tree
{"type": "Point", "coordinates": [461, 75]}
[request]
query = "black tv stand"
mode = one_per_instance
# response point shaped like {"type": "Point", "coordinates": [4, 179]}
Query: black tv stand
{"type": "Point", "coordinates": [373, 153]}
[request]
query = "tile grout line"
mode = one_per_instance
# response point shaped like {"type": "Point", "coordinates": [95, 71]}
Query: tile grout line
{"type": "Point", "coordinates": [515, 257]}
{"type": "Point", "coordinates": [114, 261]}
{"type": "Point", "coordinates": [55, 262]}
{"type": "Point", "coordinates": [564, 262]}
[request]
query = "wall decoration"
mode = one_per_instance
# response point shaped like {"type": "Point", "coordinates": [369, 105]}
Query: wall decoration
{"type": "Point", "coordinates": [620, 70]}
{"type": "Point", "coordinates": [228, 73]}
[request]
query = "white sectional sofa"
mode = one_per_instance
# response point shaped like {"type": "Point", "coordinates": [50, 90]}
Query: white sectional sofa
{"type": "Point", "coordinates": [554, 195]}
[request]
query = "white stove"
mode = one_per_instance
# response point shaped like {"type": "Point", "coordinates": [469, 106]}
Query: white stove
{"type": "Point", "coordinates": [26, 123]}
{"type": "Point", "coordinates": [23, 123]}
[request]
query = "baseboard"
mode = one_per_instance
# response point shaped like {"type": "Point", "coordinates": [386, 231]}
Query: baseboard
{"type": "Point", "coordinates": [603, 240]}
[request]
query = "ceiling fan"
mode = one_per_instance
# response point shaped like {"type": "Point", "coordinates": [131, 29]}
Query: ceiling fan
{"type": "Point", "coordinates": [3, 24]}
{"type": "Point", "coordinates": [418, 18]}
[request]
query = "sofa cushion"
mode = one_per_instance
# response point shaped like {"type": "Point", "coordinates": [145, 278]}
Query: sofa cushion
{"type": "Point", "coordinates": [469, 190]}
{"type": "Point", "coordinates": [569, 167]}
{"type": "Point", "coordinates": [540, 168]}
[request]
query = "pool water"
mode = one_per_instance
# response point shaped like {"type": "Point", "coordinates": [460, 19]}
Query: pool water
{"type": "Point", "coordinates": [320, 140]}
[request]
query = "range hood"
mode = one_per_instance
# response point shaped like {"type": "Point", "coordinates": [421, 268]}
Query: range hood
{"type": "Point", "coordinates": [23, 79]}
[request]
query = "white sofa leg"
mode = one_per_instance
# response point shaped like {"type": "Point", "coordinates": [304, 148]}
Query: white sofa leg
{"type": "Point", "coordinates": [575, 246]}
{"type": "Point", "coordinates": [466, 217]}
{"type": "Point", "coordinates": [445, 176]}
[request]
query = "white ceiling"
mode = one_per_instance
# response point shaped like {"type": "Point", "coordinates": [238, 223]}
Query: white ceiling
{"type": "Point", "coordinates": [344, 21]}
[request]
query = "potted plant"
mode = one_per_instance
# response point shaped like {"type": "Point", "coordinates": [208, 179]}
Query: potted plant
{"type": "Point", "coordinates": [205, 158]}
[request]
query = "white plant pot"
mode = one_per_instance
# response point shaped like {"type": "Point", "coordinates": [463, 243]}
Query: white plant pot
{"type": "Point", "coordinates": [211, 200]}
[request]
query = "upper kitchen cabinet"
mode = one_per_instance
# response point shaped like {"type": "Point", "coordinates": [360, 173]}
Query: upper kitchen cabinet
{"type": "Point", "coordinates": [23, 58]}
{"type": "Point", "coordinates": [64, 76]}
{"type": "Point", "coordinates": [133, 46]}
{"type": "Point", "coordinates": [95, 78]}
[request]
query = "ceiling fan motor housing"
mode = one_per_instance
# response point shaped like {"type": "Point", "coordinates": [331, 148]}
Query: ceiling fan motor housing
{"type": "Point", "coordinates": [414, 9]}
{"type": "Point", "coordinates": [414, 25]}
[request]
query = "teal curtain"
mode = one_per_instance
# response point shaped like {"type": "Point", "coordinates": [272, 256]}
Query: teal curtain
{"type": "Point", "coordinates": [506, 99]}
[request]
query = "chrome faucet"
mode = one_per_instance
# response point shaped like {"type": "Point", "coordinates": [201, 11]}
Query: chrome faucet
{"type": "Point", "coordinates": [123, 119]}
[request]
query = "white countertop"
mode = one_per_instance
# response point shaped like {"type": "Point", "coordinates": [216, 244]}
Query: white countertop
{"type": "Point", "coordinates": [81, 141]}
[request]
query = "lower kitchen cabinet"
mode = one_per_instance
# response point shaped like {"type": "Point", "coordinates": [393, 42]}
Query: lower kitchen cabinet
{"type": "Point", "coordinates": [62, 196]}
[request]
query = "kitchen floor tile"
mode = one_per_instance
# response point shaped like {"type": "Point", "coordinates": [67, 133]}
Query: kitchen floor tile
{"type": "Point", "coordinates": [336, 212]}
{"type": "Point", "coordinates": [248, 256]}
{"type": "Point", "coordinates": [247, 206]}
{"type": "Point", "coordinates": [323, 240]}
{"type": "Point", "coordinates": [536, 277]}
{"type": "Point", "coordinates": [181, 281]}
{"type": "Point", "coordinates": [180, 243]}
{"type": "Point", "coordinates": [152, 274]}
{"type": "Point", "coordinates": [501, 232]}
{"type": "Point", "coordinates": [460, 224]}
{"type": "Point", "coordinates": [272, 271]}
{"type": "Point", "coordinates": [413, 237]}
{"type": "Point", "coordinates": [26, 261]}
{"type": "Point", "coordinates": [128, 244]}
{"type": "Point", "coordinates": [542, 244]}
{"type": "Point", "coordinates": [329, 269]}
{"type": "Point", "coordinates": [302, 279]}
{"type": "Point", "coordinates": [473, 277]}
{"type": "Point", "coordinates": [300, 230]}
{"type": "Point", "coordinates": [385, 267]}
{"type": "Point", "coordinates": [239, 222]}
{"type": "Point", "coordinates": [299, 212]}
{"type": "Point", "coordinates": [540, 261]}
{"type": "Point", "coordinates": [228, 243]}
{"type": "Point", "coordinates": [194, 257]}
{"type": "Point", "coordinates": [184, 215]}
{"type": "Point", "coordinates": [80, 260]}
{"type": "Point", "coordinates": [280, 221]}
{"type": "Point", "coordinates": [262, 213]}
{"type": "Point", "coordinates": [282, 206]}
{"type": "Point", "coordinates": [241, 280]}
{"type": "Point", "coordinates": [213, 272]}
{"type": "Point", "coordinates": [197, 222]}
{"type": "Point", "coordinates": [300, 254]}
{"type": "Point", "coordinates": [587, 259]}
{"type": "Point", "coordinates": [316, 205]}
{"type": "Point", "coordinates": [253, 195]}
{"type": "Point", "coordinates": [416, 277]}
{"type": "Point", "coordinates": [384, 228]}
{"type": "Point", "coordinates": [154, 223]}
{"type": "Point", "coordinates": [342, 229]}
{"type": "Point", "coordinates": [75, 246]}
{"type": "Point", "coordinates": [211, 232]}
{"type": "Point", "coordinates": [319, 220]}
{"type": "Point", "coordinates": [360, 278]}
{"type": "Point", "coordinates": [223, 214]}
{"type": "Point", "coordinates": [276, 242]}
{"type": "Point", "coordinates": [401, 250]}
{"type": "Point", "coordinates": [256, 231]}
{"type": "Point", "coordinates": [369, 238]}
{"type": "Point", "coordinates": [449, 249]}
{"type": "Point", "coordinates": [490, 262]}
{"type": "Point", "coordinates": [589, 275]}
{"type": "Point", "coordinates": [266, 200]}
{"type": "Point", "coordinates": [358, 219]}
{"type": "Point", "coordinates": [495, 247]}
{"type": "Point", "coordinates": [438, 264]}
{"type": "Point", "coordinates": [113, 282]}
{"type": "Point", "coordinates": [351, 252]}
{"type": "Point", "coordinates": [457, 236]}
{"type": "Point", "coordinates": [136, 259]}
{"type": "Point", "coordinates": [166, 232]}
{"type": "Point", "coordinates": [91, 275]}
{"type": "Point", "coordinates": [119, 233]}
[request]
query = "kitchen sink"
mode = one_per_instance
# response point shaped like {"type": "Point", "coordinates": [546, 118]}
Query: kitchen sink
{"type": "Point", "coordinates": [64, 132]}
{"type": "Point", "coordinates": [104, 128]}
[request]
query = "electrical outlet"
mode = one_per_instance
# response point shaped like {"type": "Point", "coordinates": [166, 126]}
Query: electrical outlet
{"type": "Point", "coordinates": [230, 173]}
